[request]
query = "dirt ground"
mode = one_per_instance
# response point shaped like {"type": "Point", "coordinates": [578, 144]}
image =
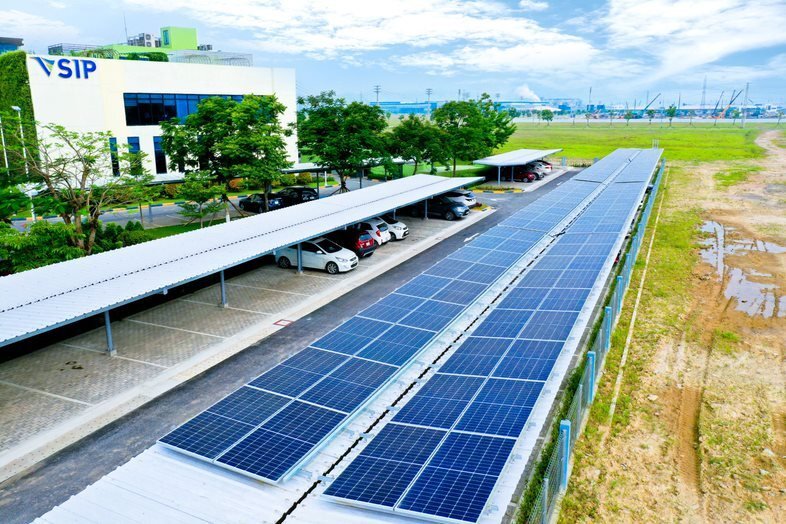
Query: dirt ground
{"type": "Point", "coordinates": [700, 431]}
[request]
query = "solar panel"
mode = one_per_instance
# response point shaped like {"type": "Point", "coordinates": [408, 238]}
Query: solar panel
{"type": "Point", "coordinates": [484, 393]}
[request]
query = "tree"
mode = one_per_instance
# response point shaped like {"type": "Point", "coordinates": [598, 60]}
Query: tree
{"type": "Point", "coordinates": [42, 244]}
{"type": "Point", "coordinates": [547, 115]}
{"type": "Point", "coordinates": [12, 200]}
{"type": "Point", "coordinates": [230, 139]}
{"type": "Point", "coordinates": [72, 174]}
{"type": "Point", "coordinates": [735, 114]}
{"type": "Point", "coordinates": [779, 114]}
{"type": "Point", "coordinates": [340, 136]}
{"type": "Point", "coordinates": [200, 191]}
{"type": "Point", "coordinates": [417, 140]}
{"type": "Point", "coordinates": [650, 115]}
{"type": "Point", "coordinates": [671, 112]}
{"type": "Point", "coordinates": [473, 128]}
{"type": "Point", "coordinates": [691, 114]}
{"type": "Point", "coordinates": [588, 115]}
{"type": "Point", "coordinates": [628, 115]}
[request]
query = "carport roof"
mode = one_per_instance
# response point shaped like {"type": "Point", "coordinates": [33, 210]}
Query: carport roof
{"type": "Point", "coordinates": [516, 158]}
{"type": "Point", "coordinates": [41, 299]}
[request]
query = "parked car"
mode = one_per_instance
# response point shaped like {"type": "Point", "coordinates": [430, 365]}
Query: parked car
{"type": "Point", "coordinates": [398, 229]}
{"type": "Point", "coordinates": [357, 241]}
{"type": "Point", "coordinates": [462, 196]}
{"type": "Point", "coordinates": [256, 203]}
{"type": "Point", "coordinates": [296, 195]}
{"type": "Point", "coordinates": [547, 166]}
{"type": "Point", "coordinates": [319, 253]}
{"type": "Point", "coordinates": [523, 175]}
{"type": "Point", "coordinates": [377, 228]}
{"type": "Point", "coordinates": [439, 206]}
{"type": "Point", "coordinates": [538, 168]}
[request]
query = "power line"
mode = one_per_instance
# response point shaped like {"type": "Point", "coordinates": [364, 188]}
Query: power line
{"type": "Point", "coordinates": [428, 94]}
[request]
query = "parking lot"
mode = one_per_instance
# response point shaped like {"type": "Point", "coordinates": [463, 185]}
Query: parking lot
{"type": "Point", "coordinates": [65, 390]}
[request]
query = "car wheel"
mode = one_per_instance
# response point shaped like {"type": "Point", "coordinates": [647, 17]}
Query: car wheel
{"type": "Point", "coordinates": [449, 216]}
{"type": "Point", "coordinates": [331, 268]}
{"type": "Point", "coordinates": [284, 263]}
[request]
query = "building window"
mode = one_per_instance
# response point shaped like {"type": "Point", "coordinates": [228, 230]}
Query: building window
{"type": "Point", "coordinates": [150, 109]}
{"type": "Point", "coordinates": [160, 156]}
{"type": "Point", "coordinates": [133, 149]}
{"type": "Point", "coordinates": [113, 156]}
{"type": "Point", "coordinates": [165, 36]}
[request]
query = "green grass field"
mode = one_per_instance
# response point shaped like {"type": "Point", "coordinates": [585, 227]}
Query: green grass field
{"type": "Point", "coordinates": [700, 142]}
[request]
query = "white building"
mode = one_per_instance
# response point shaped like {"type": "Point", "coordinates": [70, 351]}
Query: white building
{"type": "Point", "coordinates": [130, 98]}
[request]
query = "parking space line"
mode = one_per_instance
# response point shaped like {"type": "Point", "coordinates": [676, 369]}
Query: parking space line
{"type": "Point", "coordinates": [268, 289]}
{"type": "Point", "coordinates": [175, 328]}
{"type": "Point", "coordinates": [61, 397]}
{"type": "Point", "coordinates": [227, 307]}
{"type": "Point", "coordinates": [121, 357]}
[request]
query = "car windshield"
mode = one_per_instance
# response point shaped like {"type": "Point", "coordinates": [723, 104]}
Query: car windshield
{"type": "Point", "coordinates": [328, 246]}
{"type": "Point", "coordinates": [364, 237]}
{"type": "Point", "coordinates": [382, 227]}
{"type": "Point", "coordinates": [390, 220]}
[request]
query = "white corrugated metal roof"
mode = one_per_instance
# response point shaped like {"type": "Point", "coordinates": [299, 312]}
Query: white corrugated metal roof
{"type": "Point", "coordinates": [37, 300]}
{"type": "Point", "coordinates": [518, 157]}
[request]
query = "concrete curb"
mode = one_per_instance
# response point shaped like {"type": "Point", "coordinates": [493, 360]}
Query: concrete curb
{"type": "Point", "coordinates": [18, 459]}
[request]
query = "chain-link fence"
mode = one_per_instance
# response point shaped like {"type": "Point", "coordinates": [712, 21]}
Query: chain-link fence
{"type": "Point", "coordinates": [555, 478]}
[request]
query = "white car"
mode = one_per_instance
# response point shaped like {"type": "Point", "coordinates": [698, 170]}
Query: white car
{"type": "Point", "coordinates": [319, 253]}
{"type": "Point", "coordinates": [462, 196]}
{"type": "Point", "coordinates": [398, 229]}
{"type": "Point", "coordinates": [541, 168]}
{"type": "Point", "coordinates": [377, 228]}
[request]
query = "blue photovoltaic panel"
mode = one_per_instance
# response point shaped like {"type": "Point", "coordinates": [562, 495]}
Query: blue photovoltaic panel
{"type": "Point", "coordinates": [501, 258]}
{"type": "Point", "coordinates": [423, 286]}
{"type": "Point", "coordinates": [482, 273]}
{"type": "Point", "coordinates": [450, 494]}
{"type": "Point", "coordinates": [363, 372]}
{"type": "Point", "coordinates": [461, 292]}
{"type": "Point", "coordinates": [338, 394]}
{"type": "Point", "coordinates": [397, 345]}
{"type": "Point", "coordinates": [432, 315]}
{"type": "Point", "coordinates": [469, 254]}
{"type": "Point", "coordinates": [503, 323]}
{"type": "Point", "coordinates": [392, 308]}
{"type": "Point", "coordinates": [286, 380]}
{"type": "Point", "coordinates": [207, 434]}
{"type": "Point", "coordinates": [542, 310]}
{"type": "Point", "coordinates": [315, 360]}
{"type": "Point", "coordinates": [265, 454]}
{"type": "Point", "coordinates": [304, 421]}
{"type": "Point", "coordinates": [249, 405]}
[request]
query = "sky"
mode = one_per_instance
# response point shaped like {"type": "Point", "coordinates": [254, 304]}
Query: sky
{"type": "Point", "coordinates": [517, 49]}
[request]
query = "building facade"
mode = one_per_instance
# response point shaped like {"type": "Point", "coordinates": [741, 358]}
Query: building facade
{"type": "Point", "coordinates": [129, 98]}
{"type": "Point", "coordinates": [8, 44]}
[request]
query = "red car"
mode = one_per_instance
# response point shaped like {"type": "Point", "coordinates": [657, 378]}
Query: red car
{"type": "Point", "coordinates": [357, 241]}
{"type": "Point", "coordinates": [524, 175]}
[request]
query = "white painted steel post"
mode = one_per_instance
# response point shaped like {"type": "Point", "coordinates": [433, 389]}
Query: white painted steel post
{"type": "Point", "coordinates": [592, 368]}
{"type": "Point", "coordinates": [499, 175]}
{"type": "Point", "coordinates": [223, 289]}
{"type": "Point", "coordinates": [299, 259]}
{"type": "Point", "coordinates": [110, 344]}
{"type": "Point", "coordinates": [425, 209]}
{"type": "Point", "coordinates": [564, 429]}
{"type": "Point", "coordinates": [545, 502]}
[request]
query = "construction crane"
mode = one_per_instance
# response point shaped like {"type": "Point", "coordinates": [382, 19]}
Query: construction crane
{"type": "Point", "coordinates": [731, 101]}
{"type": "Point", "coordinates": [650, 103]}
{"type": "Point", "coordinates": [716, 108]}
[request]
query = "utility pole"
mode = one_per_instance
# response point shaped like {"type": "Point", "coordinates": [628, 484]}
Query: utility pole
{"type": "Point", "coordinates": [428, 94]}
{"type": "Point", "coordinates": [459, 95]}
{"type": "Point", "coordinates": [377, 89]}
{"type": "Point", "coordinates": [703, 94]}
{"type": "Point", "coordinates": [745, 103]}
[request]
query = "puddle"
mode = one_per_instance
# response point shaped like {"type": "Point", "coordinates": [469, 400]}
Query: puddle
{"type": "Point", "coordinates": [756, 292]}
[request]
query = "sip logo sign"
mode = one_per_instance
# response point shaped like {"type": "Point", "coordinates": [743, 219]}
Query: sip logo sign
{"type": "Point", "coordinates": [67, 67]}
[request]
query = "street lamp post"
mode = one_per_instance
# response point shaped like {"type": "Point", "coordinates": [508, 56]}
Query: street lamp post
{"type": "Point", "coordinates": [24, 154]}
{"type": "Point", "coordinates": [2, 140]}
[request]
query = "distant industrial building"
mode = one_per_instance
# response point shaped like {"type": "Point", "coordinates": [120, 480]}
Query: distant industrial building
{"type": "Point", "coordinates": [179, 44]}
{"type": "Point", "coordinates": [9, 44]}
{"type": "Point", "coordinates": [557, 105]}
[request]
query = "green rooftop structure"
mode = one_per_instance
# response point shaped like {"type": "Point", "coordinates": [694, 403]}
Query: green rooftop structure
{"type": "Point", "coordinates": [179, 38]}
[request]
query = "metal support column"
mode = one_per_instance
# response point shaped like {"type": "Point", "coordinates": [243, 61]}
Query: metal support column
{"type": "Point", "coordinates": [425, 209]}
{"type": "Point", "coordinates": [564, 431]}
{"type": "Point", "coordinates": [592, 370]}
{"type": "Point", "coordinates": [299, 259]}
{"type": "Point", "coordinates": [223, 289]}
{"type": "Point", "coordinates": [394, 214]}
{"type": "Point", "coordinates": [110, 343]}
{"type": "Point", "coordinates": [361, 178]}
{"type": "Point", "coordinates": [499, 175]}
{"type": "Point", "coordinates": [607, 323]}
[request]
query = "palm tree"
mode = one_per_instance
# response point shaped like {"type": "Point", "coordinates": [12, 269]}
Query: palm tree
{"type": "Point", "coordinates": [628, 116]}
{"type": "Point", "coordinates": [650, 114]}
{"type": "Point", "coordinates": [735, 114]}
{"type": "Point", "coordinates": [671, 112]}
{"type": "Point", "coordinates": [780, 115]}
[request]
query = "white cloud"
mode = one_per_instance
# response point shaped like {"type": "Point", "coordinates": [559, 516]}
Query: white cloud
{"type": "Point", "coordinates": [533, 5]}
{"type": "Point", "coordinates": [34, 27]}
{"type": "Point", "coordinates": [57, 5]}
{"type": "Point", "coordinates": [682, 35]}
{"type": "Point", "coordinates": [525, 93]}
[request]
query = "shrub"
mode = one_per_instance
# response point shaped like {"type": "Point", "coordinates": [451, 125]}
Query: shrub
{"type": "Point", "coordinates": [236, 184]}
{"type": "Point", "coordinates": [304, 179]}
{"type": "Point", "coordinates": [170, 190]}
{"type": "Point", "coordinates": [288, 180]}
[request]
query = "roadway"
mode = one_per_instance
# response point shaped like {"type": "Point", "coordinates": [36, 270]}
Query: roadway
{"type": "Point", "coordinates": [28, 496]}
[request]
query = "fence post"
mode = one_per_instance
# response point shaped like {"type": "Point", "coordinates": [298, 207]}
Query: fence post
{"type": "Point", "coordinates": [620, 291]}
{"type": "Point", "coordinates": [545, 502]}
{"type": "Point", "coordinates": [592, 366]}
{"type": "Point", "coordinates": [607, 331]}
{"type": "Point", "coordinates": [564, 429]}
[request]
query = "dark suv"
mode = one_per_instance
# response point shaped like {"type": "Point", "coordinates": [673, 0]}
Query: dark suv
{"type": "Point", "coordinates": [440, 207]}
{"type": "Point", "coordinates": [360, 242]}
{"type": "Point", "coordinates": [256, 203]}
{"type": "Point", "coordinates": [296, 195]}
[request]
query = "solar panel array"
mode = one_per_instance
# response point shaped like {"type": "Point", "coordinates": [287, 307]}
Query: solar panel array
{"type": "Point", "coordinates": [267, 427]}
{"type": "Point", "coordinates": [444, 450]}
